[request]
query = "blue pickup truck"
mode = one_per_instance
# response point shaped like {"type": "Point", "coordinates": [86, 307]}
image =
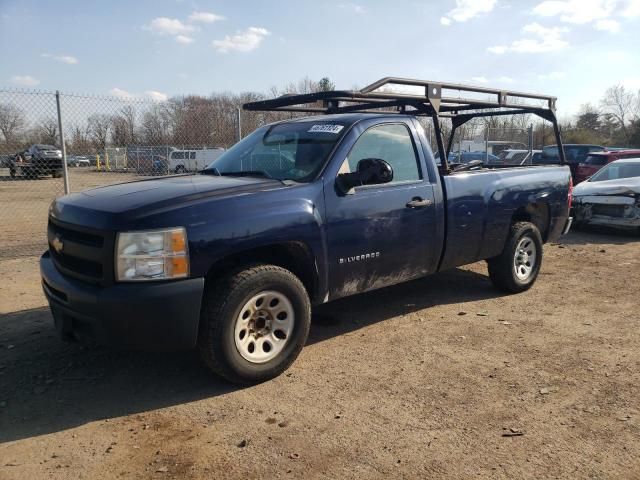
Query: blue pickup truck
{"type": "Point", "coordinates": [301, 212]}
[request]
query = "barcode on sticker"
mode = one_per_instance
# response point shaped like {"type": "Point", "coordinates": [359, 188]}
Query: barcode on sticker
{"type": "Point", "coordinates": [326, 128]}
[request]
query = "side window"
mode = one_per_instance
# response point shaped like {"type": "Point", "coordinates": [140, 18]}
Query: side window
{"type": "Point", "coordinates": [391, 143]}
{"type": "Point", "coordinates": [192, 155]}
{"type": "Point", "coordinates": [177, 155]}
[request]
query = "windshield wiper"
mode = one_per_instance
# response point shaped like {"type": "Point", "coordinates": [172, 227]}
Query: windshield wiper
{"type": "Point", "coordinates": [248, 173]}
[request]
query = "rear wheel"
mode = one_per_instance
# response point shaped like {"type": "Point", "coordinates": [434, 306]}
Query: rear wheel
{"type": "Point", "coordinates": [180, 169]}
{"type": "Point", "coordinates": [56, 173]}
{"type": "Point", "coordinates": [254, 323]}
{"type": "Point", "coordinates": [516, 268]}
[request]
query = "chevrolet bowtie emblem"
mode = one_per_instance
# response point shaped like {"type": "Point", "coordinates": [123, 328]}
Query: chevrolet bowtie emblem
{"type": "Point", "coordinates": [57, 244]}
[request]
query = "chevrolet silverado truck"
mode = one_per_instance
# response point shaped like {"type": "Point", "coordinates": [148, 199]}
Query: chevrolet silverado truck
{"type": "Point", "coordinates": [298, 213]}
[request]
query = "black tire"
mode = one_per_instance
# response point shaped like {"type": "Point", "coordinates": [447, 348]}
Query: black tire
{"type": "Point", "coordinates": [180, 169]}
{"type": "Point", "coordinates": [56, 173]}
{"type": "Point", "coordinates": [222, 305]}
{"type": "Point", "coordinates": [12, 172]}
{"type": "Point", "coordinates": [502, 269]}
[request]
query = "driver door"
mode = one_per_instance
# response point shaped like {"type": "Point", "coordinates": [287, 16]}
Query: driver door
{"type": "Point", "coordinates": [384, 234]}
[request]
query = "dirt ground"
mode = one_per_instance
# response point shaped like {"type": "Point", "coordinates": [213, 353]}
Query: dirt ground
{"type": "Point", "coordinates": [439, 378]}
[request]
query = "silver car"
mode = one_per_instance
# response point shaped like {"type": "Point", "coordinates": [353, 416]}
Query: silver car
{"type": "Point", "coordinates": [611, 197]}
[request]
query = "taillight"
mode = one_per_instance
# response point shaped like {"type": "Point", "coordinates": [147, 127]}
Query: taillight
{"type": "Point", "coordinates": [570, 195]}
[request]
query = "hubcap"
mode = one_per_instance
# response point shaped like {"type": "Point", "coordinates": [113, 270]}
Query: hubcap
{"type": "Point", "coordinates": [264, 326]}
{"type": "Point", "coordinates": [524, 260]}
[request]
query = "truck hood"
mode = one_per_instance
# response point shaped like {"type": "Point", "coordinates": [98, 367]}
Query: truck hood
{"type": "Point", "coordinates": [621, 187]}
{"type": "Point", "coordinates": [147, 196]}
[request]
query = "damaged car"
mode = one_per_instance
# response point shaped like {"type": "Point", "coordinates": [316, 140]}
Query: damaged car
{"type": "Point", "coordinates": [611, 197]}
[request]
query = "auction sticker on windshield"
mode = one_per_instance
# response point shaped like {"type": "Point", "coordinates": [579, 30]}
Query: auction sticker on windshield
{"type": "Point", "coordinates": [326, 128]}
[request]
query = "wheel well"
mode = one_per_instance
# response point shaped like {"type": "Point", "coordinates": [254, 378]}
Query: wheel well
{"type": "Point", "coordinates": [294, 256]}
{"type": "Point", "coordinates": [536, 213]}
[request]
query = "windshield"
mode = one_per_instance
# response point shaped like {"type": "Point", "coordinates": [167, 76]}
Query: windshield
{"type": "Point", "coordinates": [596, 160]}
{"type": "Point", "coordinates": [288, 151]}
{"type": "Point", "coordinates": [616, 171]}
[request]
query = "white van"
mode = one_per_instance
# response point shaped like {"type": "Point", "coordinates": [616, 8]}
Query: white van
{"type": "Point", "coordinates": [181, 161]}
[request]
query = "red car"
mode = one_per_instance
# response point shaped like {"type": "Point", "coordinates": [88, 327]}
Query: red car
{"type": "Point", "coordinates": [596, 160]}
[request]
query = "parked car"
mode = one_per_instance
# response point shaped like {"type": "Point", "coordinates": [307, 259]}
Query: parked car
{"type": "Point", "coordinates": [182, 161]}
{"type": "Point", "coordinates": [300, 212]}
{"type": "Point", "coordinates": [36, 161]}
{"type": "Point", "coordinates": [78, 161]}
{"type": "Point", "coordinates": [466, 157]}
{"type": "Point", "coordinates": [517, 156]}
{"type": "Point", "coordinates": [610, 197]}
{"type": "Point", "coordinates": [596, 160]}
{"type": "Point", "coordinates": [575, 153]}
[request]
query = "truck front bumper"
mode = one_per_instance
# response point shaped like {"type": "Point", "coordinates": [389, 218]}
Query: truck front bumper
{"type": "Point", "coordinates": [138, 316]}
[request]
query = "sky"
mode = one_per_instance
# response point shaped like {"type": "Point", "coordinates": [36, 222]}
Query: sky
{"type": "Point", "coordinates": [573, 49]}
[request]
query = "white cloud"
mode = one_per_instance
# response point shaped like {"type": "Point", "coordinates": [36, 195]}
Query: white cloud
{"type": "Point", "coordinates": [498, 49]}
{"type": "Point", "coordinates": [155, 95]}
{"type": "Point", "coordinates": [125, 95]}
{"type": "Point", "coordinates": [205, 17]}
{"type": "Point", "coordinates": [482, 79]}
{"type": "Point", "coordinates": [183, 39]}
{"type": "Point", "coordinates": [552, 76]}
{"type": "Point", "coordinates": [608, 25]}
{"type": "Point", "coordinates": [25, 80]}
{"type": "Point", "coordinates": [467, 9]}
{"type": "Point", "coordinates": [353, 7]}
{"type": "Point", "coordinates": [576, 11]}
{"type": "Point", "coordinates": [118, 92]}
{"type": "Point", "coordinates": [632, 9]}
{"type": "Point", "coordinates": [242, 41]}
{"type": "Point", "coordinates": [169, 26]}
{"type": "Point", "coordinates": [68, 59]}
{"type": "Point", "coordinates": [548, 40]}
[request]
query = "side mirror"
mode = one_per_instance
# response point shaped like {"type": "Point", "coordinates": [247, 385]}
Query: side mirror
{"type": "Point", "coordinates": [370, 171]}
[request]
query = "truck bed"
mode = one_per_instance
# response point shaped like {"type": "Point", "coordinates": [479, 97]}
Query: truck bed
{"type": "Point", "coordinates": [480, 204]}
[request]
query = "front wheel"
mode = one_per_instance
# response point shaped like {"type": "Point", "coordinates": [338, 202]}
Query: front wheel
{"type": "Point", "coordinates": [254, 323]}
{"type": "Point", "coordinates": [516, 268]}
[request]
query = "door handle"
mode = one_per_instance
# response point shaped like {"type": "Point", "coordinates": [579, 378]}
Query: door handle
{"type": "Point", "coordinates": [418, 202]}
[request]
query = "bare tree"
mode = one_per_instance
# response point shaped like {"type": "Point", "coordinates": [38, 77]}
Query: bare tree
{"type": "Point", "coordinates": [12, 121]}
{"type": "Point", "coordinates": [80, 139]}
{"type": "Point", "coordinates": [157, 125]}
{"type": "Point", "coordinates": [47, 131]}
{"type": "Point", "coordinates": [124, 126]}
{"type": "Point", "coordinates": [99, 125]}
{"type": "Point", "coordinates": [618, 104]}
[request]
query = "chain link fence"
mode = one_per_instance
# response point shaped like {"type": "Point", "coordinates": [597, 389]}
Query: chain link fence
{"type": "Point", "coordinates": [111, 140]}
{"type": "Point", "coordinates": [512, 140]}
{"type": "Point", "coordinates": [107, 140]}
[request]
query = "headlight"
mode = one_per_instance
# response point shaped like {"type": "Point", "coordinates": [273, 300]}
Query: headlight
{"type": "Point", "coordinates": [152, 255]}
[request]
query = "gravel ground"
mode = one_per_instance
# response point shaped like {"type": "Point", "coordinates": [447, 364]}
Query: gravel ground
{"type": "Point", "coordinates": [439, 378]}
